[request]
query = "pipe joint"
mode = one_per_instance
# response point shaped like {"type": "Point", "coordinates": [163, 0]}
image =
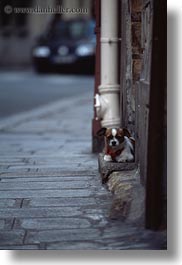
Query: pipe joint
{"type": "Point", "coordinates": [109, 89]}
{"type": "Point", "coordinates": [110, 40]}
{"type": "Point", "coordinates": [106, 109]}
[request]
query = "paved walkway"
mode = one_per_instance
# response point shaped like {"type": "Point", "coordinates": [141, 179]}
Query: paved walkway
{"type": "Point", "coordinates": [51, 196]}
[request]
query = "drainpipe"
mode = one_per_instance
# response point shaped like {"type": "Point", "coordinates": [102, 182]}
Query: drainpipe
{"type": "Point", "coordinates": [107, 101]}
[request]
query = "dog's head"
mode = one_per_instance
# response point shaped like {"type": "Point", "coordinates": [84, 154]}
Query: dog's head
{"type": "Point", "coordinates": [114, 136]}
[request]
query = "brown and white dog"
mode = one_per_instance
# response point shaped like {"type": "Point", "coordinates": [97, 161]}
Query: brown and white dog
{"type": "Point", "coordinates": [119, 145]}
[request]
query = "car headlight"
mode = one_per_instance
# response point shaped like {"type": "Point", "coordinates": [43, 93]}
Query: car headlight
{"type": "Point", "coordinates": [85, 49]}
{"type": "Point", "coordinates": [42, 51]}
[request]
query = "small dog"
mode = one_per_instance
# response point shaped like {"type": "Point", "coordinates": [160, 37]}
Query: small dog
{"type": "Point", "coordinates": [119, 145]}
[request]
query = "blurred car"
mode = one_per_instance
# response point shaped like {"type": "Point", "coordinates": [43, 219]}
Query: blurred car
{"type": "Point", "coordinates": [66, 45]}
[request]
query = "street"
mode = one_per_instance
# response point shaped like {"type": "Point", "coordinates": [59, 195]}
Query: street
{"type": "Point", "coordinates": [24, 90]}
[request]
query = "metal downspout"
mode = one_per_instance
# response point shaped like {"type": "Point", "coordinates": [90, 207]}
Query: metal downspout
{"type": "Point", "coordinates": [107, 101]}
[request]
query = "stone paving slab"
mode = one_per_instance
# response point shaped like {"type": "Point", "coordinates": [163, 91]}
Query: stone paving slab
{"type": "Point", "coordinates": [61, 202]}
{"type": "Point", "coordinates": [62, 235]}
{"type": "Point", "coordinates": [9, 203]}
{"type": "Point", "coordinates": [20, 194]}
{"type": "Point", "coordinates": [72, 245]}
{"type": "Point", "coordinates": [51, 223]}
{"type": "Point", "coordinates": [20, 247]}
{"type": "Point", "coordinates": [56, 185]}
{"type": "Point", "coordinates": [21, 179]}
{"type": "Point", "coordinates": [11, 237]}
{"type": "Point", "coordinates": [40, 212]}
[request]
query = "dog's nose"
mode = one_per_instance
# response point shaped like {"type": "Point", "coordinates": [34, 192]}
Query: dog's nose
{"type": "Point", "coordinates": [113, 143]}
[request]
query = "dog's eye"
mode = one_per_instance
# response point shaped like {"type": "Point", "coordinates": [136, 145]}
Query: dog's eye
{"type": "Point", "coordinates": [120, 138]}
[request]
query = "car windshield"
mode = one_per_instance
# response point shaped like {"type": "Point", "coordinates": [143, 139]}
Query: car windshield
{"type": "Point", "coordinates": [72, 30]}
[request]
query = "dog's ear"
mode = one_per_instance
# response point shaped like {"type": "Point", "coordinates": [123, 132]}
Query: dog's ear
{"type": "Point", "coordinates": [132, 140]}
{"type": "Point", "coordinates": [126, 132]}
{"type": "Point", "coordinates": [102, 131]}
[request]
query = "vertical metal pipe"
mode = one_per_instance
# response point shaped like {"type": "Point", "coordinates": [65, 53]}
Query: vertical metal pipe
{"type": "Point", "coordinates": [108, 102]}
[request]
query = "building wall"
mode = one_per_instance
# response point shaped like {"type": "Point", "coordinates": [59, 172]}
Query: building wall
{"type": "Point", "coordinates": [131, 54]}
{"type": "Point", "coordinates": [156, 175]}
{"type": "Point", "coordinates": [143, 97]}
{"type": "Point", "coordinates": [143, 87]}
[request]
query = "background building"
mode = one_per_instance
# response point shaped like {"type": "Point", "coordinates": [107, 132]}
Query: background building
{"type": "Point", "coordinates": [19, 31]}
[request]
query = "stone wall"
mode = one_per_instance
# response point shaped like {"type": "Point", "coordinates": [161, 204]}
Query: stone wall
{"type": "Point", "coordinates": [143, 89]}
{"type": "Point", "coordinates": [131, 64]}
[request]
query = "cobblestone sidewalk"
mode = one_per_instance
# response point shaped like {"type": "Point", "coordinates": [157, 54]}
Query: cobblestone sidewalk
{"type": "Point", "coordinates": [51, 196]}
